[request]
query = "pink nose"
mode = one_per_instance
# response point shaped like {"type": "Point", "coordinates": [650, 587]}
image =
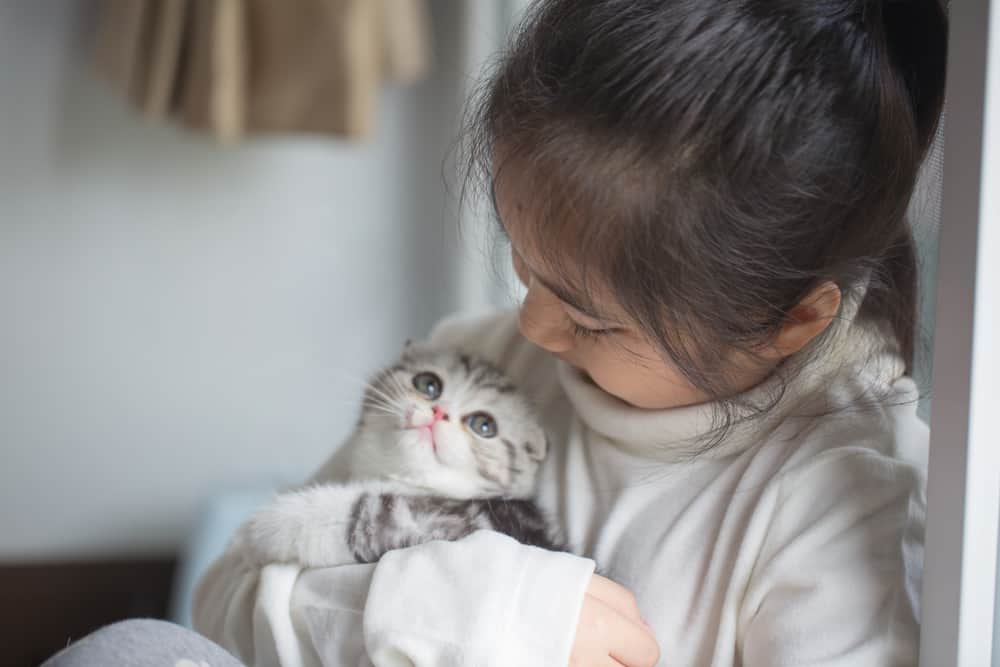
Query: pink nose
{"type": "Point", "coordinates": [440, 413]}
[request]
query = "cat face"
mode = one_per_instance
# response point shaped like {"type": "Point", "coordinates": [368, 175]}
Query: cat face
{"type": "Point", "coordinates": [451, 424]}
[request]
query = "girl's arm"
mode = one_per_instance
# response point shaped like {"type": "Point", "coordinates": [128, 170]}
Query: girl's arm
{"type": "Point", "coordinates": [485, 600]}
{"type": "Point", "coordinates": [838, 578]}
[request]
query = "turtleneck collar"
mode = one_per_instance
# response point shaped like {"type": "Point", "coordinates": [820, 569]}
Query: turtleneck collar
{"type": "Point", "coordinates": [796, 387]}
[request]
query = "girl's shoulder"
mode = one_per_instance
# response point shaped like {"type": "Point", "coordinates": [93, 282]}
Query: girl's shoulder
{"type": "Point", "coordinates": [856, 402]}
{"type": "Point", "coordinates": [876, 441]}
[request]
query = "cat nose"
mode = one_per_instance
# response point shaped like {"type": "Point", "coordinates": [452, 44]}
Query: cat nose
{"type": "Point", "coordinates": [440, 413]}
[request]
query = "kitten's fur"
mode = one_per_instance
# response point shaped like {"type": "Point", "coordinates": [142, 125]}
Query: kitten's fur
{"type": "Point", "coordinates": [403, 485]}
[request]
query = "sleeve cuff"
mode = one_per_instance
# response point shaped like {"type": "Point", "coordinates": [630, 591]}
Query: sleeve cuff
{"type": "Point", "coordinates": [545, 609]}
{"type": "Point", "coordinates": [484, 600]}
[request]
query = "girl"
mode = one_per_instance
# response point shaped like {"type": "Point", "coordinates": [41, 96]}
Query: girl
{"type": "Point", "coordinates": [706, 203]}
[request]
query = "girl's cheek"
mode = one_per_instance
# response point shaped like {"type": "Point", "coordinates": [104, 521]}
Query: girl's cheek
{"type": "Point", "coordinates": [639, 382]}
{"type": "Point", "coordinates": [609, 374]}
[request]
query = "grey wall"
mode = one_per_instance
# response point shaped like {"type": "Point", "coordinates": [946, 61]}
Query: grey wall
{"type": "Point", "coordinates": [180, 317]}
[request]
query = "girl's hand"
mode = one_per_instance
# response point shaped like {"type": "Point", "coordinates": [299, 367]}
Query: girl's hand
{"type": "Point", "coordinates": [611, 632]}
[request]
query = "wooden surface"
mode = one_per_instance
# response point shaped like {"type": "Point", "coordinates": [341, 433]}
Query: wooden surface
{"type": "Point", "coordinates": [45, 606]}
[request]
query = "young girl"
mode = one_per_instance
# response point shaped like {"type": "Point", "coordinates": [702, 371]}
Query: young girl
{"type": "Point", "coordinates": [706, 203]}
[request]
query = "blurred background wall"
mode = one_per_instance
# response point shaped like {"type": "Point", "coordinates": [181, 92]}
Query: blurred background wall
{"type": "Point", "coordinates": [181, 317]}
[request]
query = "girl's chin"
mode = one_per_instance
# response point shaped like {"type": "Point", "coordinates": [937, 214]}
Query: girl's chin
{"type": "Point", "coordinates": [640, 402]}
{"type": "Point", "coordinates": [589, 379]}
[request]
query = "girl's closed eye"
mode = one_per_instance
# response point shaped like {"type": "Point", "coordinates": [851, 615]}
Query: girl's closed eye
{"type": "Point", "coordinates": [585, 332]}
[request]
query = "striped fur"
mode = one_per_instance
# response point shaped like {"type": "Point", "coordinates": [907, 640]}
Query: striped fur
{"type": "Point", "coordinates": [382, 522]}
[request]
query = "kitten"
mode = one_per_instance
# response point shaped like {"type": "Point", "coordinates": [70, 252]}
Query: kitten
{"type": "Point", "coordinates": [445, 446]}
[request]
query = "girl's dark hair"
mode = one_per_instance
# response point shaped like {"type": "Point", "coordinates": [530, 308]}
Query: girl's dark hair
{"type": "Point", "coordinates": [711, 162]}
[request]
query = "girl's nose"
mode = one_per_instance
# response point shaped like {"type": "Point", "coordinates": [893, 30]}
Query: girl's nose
{"type": "Point", "coordinates": [543, 322]}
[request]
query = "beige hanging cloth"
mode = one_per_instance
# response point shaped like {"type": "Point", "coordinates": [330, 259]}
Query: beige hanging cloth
{"type": "Point", "coordinates": [234, 67]}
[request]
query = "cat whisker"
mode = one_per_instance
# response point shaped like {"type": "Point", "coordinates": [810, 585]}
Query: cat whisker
{"type": "Point", "coordinates": [393, 407]}
{"type": "Point", "coordinates": [354, 378]}
{"type": "Point", "coordinates": [388, 407]}
{"type": "Point", "coordinates": [400, 387]}
{"type": "Point", "coordinates": [379, 402]}
{"type": "Point", "coordinates": [385, 397]}
{"type": "Point", "coordinates": [387, 413]}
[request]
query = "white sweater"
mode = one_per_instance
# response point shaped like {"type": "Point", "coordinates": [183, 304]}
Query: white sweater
{"type": "Point", "coordinates": [795, 541]}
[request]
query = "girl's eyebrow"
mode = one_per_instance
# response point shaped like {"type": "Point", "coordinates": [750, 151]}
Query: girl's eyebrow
{"type": "Point", "coordinates": [570, 300]}
{"type": "Point", "coordinates": [563, 295]}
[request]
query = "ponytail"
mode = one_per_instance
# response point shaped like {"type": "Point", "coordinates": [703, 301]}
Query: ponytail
{"type": "Point", "coordinates": [915, 43]}
{"type": "Point", "coordinates": [916, 37]}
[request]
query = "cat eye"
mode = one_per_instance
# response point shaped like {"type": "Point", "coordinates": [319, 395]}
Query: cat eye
{"type": "Point", "coordinates": [428, 384]}
{"type": "Point", "coordinates": [482, 424]}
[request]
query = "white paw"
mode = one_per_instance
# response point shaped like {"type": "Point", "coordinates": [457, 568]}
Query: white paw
{"type": "Point", "coordinates": [270, 536]}
{"type": "Point", "coordinates": [296, 529]}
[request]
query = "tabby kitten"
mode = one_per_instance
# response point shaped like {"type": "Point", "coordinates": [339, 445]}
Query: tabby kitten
{"type": "Point", "coordinates": [445, 446]}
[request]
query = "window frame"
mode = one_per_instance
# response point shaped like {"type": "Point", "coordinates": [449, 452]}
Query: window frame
{"type": "Point", "coordinates": [963, 513]}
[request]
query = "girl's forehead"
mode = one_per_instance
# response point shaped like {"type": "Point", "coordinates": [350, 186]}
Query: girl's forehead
{"type": "Point", "coordinates": [555, 257]}
{"type": "Point", "coordinates": [537, 217]}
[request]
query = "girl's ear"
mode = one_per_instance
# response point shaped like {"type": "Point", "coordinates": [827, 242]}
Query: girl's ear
{"type": "Point", "coordinates": [807, 320]}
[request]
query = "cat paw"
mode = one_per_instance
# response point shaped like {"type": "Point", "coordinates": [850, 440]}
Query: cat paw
{"type": "Point", "coordinates": [267, 538]}
{"type": "Point", "coordinates": [292, 529]}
